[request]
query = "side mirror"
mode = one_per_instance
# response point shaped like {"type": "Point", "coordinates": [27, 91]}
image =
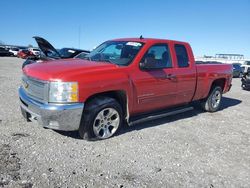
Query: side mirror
{"type": "Point", "coordinates": [143, 66]}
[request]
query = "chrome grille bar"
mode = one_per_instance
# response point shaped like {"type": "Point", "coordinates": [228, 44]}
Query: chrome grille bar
{"type": "Point", "coordinates": [36, 89]}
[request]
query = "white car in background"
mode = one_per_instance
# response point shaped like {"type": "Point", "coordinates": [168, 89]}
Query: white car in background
{"type": "Point", "coordinates": [245, 67]}
{"type": "Point", "coordinates": [35, 51]}
{"type": "Point", "coordinates": [14, 51]}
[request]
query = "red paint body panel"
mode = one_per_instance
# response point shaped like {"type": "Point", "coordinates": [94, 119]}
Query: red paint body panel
{"type": "Point", "coordinates": [24, 55]}
{"type": "Point", "coordinates": [207, 73]}
{"type": "Point", "coordinates": [145, 90]}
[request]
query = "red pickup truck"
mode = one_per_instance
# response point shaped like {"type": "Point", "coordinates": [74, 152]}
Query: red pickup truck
{"type": "Point", "coordinates": [122, 81]}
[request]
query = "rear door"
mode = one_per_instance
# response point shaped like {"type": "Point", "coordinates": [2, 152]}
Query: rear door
{"type": "Point", "coordinates": [155, 87]}
{"type": "Point", "coordinates": [185, 72]}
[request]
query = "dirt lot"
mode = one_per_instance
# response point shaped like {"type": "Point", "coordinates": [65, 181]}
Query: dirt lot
{"type": "Point", "coordinates": [194, 149]}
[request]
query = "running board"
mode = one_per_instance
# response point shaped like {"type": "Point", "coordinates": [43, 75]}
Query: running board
{"type": "Point", "coordinates": [150, 117]}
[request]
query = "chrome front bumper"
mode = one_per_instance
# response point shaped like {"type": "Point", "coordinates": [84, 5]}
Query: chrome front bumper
{"type": "Point", "coordinates": [65, 117]}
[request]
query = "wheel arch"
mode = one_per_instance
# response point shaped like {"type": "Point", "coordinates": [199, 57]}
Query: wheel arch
{"type": "Point", "coordinates": [221, 82]}
{"type": "Point", "coordinates": [119, 95]}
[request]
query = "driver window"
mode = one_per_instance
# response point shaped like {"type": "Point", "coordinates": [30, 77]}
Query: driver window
{"type": "Point", "coordinates": [158, 56]}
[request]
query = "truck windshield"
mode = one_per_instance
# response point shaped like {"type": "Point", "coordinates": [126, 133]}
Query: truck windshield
{"type": "Point", "coordinates": [116, 52]}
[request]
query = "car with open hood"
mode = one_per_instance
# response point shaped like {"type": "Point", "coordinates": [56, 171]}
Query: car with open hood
{"type": "Point", "coordinates": [49, 52]}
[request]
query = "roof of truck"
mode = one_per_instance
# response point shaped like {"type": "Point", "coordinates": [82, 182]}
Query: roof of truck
{"type": "Point", "coordinates": [146, 40]}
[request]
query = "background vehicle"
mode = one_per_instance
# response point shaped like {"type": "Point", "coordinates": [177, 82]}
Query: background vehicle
{"type": "Point", "coordinates": [81, 55]}
{"type": "Point", "coordinates": [246, 66]}
{"type": "Point", "coordinates": [5, 52]}
{"type": "Point", "coordinates": [131, 80]}
{"type": "Point", "coordinates": [50, 53]}
{"type": "Point", "coordinates": [245, 81]}
{"type": "Point", "coordinates": [71, 52]}
{"type": "Point", "coordinates": [24, 54]}
{"type": "Point", "coordinates": [237, 70]}
{"type": "Point", "coordinates": [35, 51]}
{"type": "Point", "coordinates": [14, 51]}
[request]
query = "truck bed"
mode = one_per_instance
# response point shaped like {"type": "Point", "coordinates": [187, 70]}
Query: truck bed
{"type": "Point", "coordinates": [207, 73]}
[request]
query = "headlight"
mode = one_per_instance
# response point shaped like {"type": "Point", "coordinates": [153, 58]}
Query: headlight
{"type": "Point", "coordinates": [63, 92]}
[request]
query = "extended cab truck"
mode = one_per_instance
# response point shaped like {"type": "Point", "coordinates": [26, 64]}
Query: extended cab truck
{"type": "Point", "coordinates": [121, 81]}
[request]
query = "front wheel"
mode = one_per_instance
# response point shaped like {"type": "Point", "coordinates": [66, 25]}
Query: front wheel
{"type": "Point", "coordinates": [101, 119]}
{"type": "Point", "coordinates": [213, 101]}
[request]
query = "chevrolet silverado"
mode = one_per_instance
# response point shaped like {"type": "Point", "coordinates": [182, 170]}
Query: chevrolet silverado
{"type": "Point", "coordinates": [122, 81]}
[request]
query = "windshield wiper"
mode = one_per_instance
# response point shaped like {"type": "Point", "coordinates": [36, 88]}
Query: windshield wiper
{"type": "Point", "coordinates": [100, 60]}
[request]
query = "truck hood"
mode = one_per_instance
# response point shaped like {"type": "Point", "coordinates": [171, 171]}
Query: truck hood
{"type": "Point", "coordinates": [47, 48]}
{"type": "Point", "coordinates": [65, 69]}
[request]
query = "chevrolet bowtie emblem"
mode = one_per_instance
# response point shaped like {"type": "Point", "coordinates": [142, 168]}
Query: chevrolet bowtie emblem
{"type": "Point", "coordinates": [25, 84]}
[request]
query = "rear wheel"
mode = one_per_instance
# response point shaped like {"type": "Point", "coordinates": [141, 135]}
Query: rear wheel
{"type": "Point", "coordinates": [101, 119]}
{"type": "Point", "coordinates": [213, 101]}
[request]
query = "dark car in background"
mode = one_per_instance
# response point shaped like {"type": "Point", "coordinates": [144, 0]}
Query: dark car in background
{"type": "Point", "coordinates": [50, 53]}
{"type": "Point", "coordinates": [245, 80]}
{"type": "Point", "coordinates": [237, 70]}
{"type": "Point", "coordinates": [5, 52]}
{"type": "Point", "coordinates": [71, 52]}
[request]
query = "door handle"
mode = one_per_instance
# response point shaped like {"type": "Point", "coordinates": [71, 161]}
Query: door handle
{"type": "Point", "coordinates": [170, 76]}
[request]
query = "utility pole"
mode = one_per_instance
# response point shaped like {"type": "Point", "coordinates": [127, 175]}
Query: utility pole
{"type": "Point", "coordinates": [79, 37]}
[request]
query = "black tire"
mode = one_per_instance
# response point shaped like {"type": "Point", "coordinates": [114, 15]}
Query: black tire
{"type": "Point", "coordinates": [210, 104]}
{"type": "Point", "coordinates": [90, 114]}
{"type": "Point", "coordinates": [243, 86]}
{"type": "Point", "coordinates": [243, 83]}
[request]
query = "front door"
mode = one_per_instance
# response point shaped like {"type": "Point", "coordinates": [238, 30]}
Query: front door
{"type": "Point", "coordinates": [155, 83]}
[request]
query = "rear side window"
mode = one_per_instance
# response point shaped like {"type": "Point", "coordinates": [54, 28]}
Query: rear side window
{"type": "Point", "coordinates": [182, 56]}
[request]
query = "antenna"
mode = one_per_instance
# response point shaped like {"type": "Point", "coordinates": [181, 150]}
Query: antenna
{"type": "Point", "coordinates": [141, 37]}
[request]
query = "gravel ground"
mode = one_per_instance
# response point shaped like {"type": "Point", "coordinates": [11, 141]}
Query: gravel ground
{"type": "Point", "coordinates": [194, 149]}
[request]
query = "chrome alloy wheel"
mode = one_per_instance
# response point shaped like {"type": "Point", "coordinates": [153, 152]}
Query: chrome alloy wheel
{"type": "Point", "coordinates": [216, 98]}
{"type": "Point", "coordinates": [106, 123]}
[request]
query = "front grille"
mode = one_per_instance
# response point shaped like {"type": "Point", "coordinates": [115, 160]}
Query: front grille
{"type": "Point", "coordinates": [36, 89]}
